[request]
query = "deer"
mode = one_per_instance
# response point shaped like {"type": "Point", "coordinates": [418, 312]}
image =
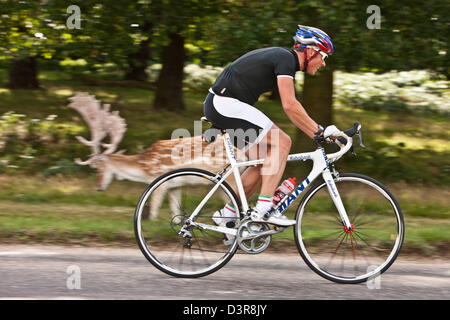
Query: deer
{"type": "Point", "coordinates": [161, 157]}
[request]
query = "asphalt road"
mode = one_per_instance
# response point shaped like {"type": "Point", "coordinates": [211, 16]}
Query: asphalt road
{"type": "Point", "coordinates": [51, 272]}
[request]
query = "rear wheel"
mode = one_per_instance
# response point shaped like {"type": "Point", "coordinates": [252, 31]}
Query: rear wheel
{"type": "Point", "coordinates": [172, 198]}
{"type": "Point", "coordinates": [359, 254]}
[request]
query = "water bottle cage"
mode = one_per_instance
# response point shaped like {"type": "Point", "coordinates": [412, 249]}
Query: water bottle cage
{"type": "Point", "coordinates": [278, 196]}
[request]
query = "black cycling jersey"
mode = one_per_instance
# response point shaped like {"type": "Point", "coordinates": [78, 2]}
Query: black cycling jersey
{"type": "Point", "coordinates": [256, 72]}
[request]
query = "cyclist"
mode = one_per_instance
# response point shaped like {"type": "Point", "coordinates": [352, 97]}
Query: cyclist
{"type": "Point", "coordinates": [229, 105]}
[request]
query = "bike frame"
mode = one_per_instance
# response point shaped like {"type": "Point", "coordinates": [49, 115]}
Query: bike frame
{"type": "Point", "coordinates": [321, 163]}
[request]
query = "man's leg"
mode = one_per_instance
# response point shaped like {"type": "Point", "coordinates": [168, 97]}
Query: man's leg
{"type": "Point", "coordinates": [251, 180]}
{"type": "Point", "coordinates": [274, 148]}
{"type": "Point", "coordinates": [278, 146]}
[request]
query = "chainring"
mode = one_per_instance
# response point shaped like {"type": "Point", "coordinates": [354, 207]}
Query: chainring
{"type": "Point", "coordinates": [257, 244]}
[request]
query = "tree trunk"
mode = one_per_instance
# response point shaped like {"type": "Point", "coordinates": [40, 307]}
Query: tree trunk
{"type": "Point", "coordinates": [169, 87]}
{"type": "Point", "coordinates": [138, 61]}
{"type": "Point", "coordinates": [317, 99]}
{"type": "Point", "coordinates": [23, 74]}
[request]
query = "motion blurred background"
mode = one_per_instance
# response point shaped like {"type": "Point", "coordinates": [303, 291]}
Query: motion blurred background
{"type": "Point", "coordinates": [154, 61]}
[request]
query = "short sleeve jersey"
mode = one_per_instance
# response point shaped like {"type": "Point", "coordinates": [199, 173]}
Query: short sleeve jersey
{"type": "Point", "coordinates": [255, 73]}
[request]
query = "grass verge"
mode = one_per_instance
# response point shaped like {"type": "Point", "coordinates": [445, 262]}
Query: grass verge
{"type": "Point", "coordinates": [68, 211]}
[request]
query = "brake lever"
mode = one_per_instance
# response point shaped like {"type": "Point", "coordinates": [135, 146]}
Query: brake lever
{"type": "Point", "coordinates": [360, 139]}
{"type": "Point", "coordinates": [351, 132]}
{"type": "Point", "coordinates": [360, 142]}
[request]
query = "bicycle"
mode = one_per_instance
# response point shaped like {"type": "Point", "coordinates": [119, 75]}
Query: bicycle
{"type": "Point", "coordinates": [352, 238]}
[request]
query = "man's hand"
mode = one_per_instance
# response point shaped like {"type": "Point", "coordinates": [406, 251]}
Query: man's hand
{"type": "Point", "coordinates": [330, 133]}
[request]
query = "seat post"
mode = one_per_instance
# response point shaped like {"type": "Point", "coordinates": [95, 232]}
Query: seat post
{"type": "Point", "coordinates": [237, 175]}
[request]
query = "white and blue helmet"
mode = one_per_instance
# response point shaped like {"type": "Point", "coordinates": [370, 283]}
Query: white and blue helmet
{"type": "Point", "coordinates": [310, 37]}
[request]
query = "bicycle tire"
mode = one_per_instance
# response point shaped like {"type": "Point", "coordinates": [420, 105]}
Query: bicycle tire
{"type": "Point", "coordinates": [312, 255]}
{"type": "Point", "coordinates": [149, 251]}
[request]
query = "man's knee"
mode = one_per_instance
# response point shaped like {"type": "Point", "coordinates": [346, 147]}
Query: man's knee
{"type": "Point", "coordinates": [276, 139]}
{"type": "Point", "coordinates": [285, 141]}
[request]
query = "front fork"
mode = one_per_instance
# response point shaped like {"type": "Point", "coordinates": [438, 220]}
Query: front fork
{"type": "Point", "coordinates": [334, 194]}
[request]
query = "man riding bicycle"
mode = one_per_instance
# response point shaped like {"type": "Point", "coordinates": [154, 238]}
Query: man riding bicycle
{"type": "Point", "coordinates": [229, 105]}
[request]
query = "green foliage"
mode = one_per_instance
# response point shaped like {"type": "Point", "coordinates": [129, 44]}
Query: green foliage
{"type": "Point", "coordinates": [63, 166]}
{"type": "Point", "coordinates": [407, 143]}
{"type": "Point", "coordinates": [413, 36]}
{"type": "Point", "coordinates": [31, 29]}
{"type": "Point", "coordinates": [28, 144]}
{"type": "Point", "coordinates": [392, 104]}
{"type": "Point", "coordinates": [417, 92]}
{"type": "Point", "coordinates": [397, 163]}
{"type": "Point", "coordinates": [200, 79]}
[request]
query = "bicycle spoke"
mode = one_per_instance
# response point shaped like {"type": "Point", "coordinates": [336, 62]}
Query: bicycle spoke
{"type": "Point", "coordinates": [201, 250]}
{"type": "Point", "coordinates": [368, 245]}
{"type": "Point", "coordinates": [357, 220]}
{"type": "Point", "coordinates": [344, 255]}
{"type": "Point", "coordinates": [372, 236]}
{"type": "Point", "coordinates": [183, 249]}
{"type": "Point", "coordinates": [361, 250]}
{"type": "Point", "coordinates": [173, 252]}
{"type": "Point", "coordinates": [335, 251]}
{"type": "Point", "coordinates": [328, 243]}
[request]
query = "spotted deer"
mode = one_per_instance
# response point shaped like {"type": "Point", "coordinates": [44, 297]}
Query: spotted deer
{"type": "Point", "coordinates": [161, 157]}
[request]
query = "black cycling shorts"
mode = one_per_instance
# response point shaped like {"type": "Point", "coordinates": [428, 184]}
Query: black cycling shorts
{"type": "Point", "coordinates": [246, 125]}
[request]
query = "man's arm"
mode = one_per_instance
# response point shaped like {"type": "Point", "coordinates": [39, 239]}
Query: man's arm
{"type": "Point", "coordinates": [294, 110]}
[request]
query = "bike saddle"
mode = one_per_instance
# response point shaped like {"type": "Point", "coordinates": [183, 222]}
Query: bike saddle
{"type": "Point", "coordinates": [210, 134]}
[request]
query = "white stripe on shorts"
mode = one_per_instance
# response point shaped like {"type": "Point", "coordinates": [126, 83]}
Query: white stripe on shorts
{"type": "Point", "coordinates": [234, 108]}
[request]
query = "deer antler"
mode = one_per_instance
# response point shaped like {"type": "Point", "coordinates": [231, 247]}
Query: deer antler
{"type": "Point", "coordinates": [116, 128]}
{"type": "Point", "coordinates": [100, 121]}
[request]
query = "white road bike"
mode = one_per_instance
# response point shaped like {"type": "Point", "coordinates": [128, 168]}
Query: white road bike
{"type": "Point", "coordinates": [349, 227]}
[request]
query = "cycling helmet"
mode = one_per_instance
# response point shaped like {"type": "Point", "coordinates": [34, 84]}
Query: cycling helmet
{"type": "Point", "coordinates": [310, 37]}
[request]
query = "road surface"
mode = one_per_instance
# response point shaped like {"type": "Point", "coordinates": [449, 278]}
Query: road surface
{"type": "Point", "coordinates": [56, 272]}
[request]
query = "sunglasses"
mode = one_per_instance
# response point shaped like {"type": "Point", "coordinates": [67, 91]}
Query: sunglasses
{"type": "Point", "coordinates": [324, 55]}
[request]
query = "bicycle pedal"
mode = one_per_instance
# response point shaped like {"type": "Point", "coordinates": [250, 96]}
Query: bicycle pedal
{"type": "Point", "coordinates": [228, 242]}
{"type": "Point", "coordinates": [255, 217]}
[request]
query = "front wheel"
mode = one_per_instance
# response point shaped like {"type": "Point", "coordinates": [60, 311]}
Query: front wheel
{"type": "Point", "coordinates": [359, 254]}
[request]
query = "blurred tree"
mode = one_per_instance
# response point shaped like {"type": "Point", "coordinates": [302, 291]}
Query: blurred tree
{"type": "Point", "coordinates": [138, 59]}
{"type": "Point", "coordinates": [169, 86]}
{"type": "Point", "coordinates": [118, 32]}
{"type": "Point", "coordinates": [242, 26]}
{"type": "Point", "coordinates": [409, 36]}
{"type": "Point", "coordinates": [123, 31]}
{"type": "Point", "coordinates": [178, 21]}
{"type": "Point", "coordinates": [130, 33]}
{"type": "Point", "coordinates": [412, 35]}
{"type": "Point", "coordinates": [28, 31]}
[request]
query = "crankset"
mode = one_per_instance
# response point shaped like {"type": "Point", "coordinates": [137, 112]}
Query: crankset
{"type": "Point", "coordinates": [255, 237]}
